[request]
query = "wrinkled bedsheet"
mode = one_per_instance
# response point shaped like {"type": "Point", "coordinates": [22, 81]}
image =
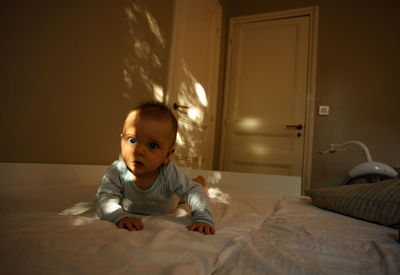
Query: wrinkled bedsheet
{"type": "Point", "coordinates": [52, 229]}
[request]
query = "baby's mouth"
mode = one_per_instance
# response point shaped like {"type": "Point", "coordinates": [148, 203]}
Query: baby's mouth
{"type": "Point", "coordinates": [138, 163]}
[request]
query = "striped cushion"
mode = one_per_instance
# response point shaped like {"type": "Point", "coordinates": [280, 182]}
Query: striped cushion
{"type": "Point", "coordinates": [377, 202]}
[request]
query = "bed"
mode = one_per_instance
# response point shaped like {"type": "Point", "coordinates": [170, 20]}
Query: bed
{"type": "Point", "coordinates": [263, 226]}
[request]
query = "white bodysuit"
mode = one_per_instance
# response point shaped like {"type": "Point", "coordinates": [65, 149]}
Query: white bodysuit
{"type": "Point", "coordinates": [119, 197]}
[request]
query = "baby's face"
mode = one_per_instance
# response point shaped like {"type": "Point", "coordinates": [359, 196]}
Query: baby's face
{"type": "Point", "coordinates": [146, 144]}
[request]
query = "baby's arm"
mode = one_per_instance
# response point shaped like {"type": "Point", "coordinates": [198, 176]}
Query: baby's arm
{"type": "Point", "coordinates": [200, 179]}
{"type": "Point", "coordinates": [202, 227]}
{"type": "Point", "coordinates": [194, 194]}
{"type": "Point", "coordinates": [109, 196]}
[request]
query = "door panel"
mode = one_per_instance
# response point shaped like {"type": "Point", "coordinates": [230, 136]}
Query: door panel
{"type": "Point", "coordinates": [193, 80]}
{"type": "Point", "coordinates": [267, 90]}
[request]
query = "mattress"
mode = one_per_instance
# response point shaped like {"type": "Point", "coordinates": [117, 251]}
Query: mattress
{"type": "Point", "coordinates": [48, 226]}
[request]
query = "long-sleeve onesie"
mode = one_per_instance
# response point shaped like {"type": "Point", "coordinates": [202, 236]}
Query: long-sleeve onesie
{"type": "Point", "coordinates": [119, 197]}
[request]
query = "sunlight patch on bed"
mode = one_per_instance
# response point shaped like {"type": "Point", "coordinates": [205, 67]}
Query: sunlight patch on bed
{"type": "Point", "coordinates": [217, 195]}
{"type": "Point", "coordinates": [77, 209]}
{"type": "Point", "coordinates": [78, 221]}
{"type": "Point", "coordinates": [214, 178]}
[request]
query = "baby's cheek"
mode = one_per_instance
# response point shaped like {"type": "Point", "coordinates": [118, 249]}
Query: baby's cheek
{"type": "Point", "coordinates": [126, 154]}
{"type": "Point", "coordinates": [126, 148]}
{"type": "Point", "coordinates": [122, 145]}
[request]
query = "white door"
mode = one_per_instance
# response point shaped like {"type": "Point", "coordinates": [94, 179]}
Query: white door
{"type": "Point", "coordinates": [266, 97]}
{"type": "Point", "coordinates": [193, 80]}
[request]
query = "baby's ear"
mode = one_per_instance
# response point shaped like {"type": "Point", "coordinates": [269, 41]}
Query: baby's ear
{"type": "Point", "coordinates": [169, 154]}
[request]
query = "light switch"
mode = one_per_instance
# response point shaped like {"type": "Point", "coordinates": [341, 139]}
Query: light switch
{"type": "Point", "coordinates": [323, 110]}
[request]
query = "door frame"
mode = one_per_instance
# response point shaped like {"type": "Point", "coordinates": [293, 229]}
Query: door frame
{"type": "Point", "coordinates": [313, 13]}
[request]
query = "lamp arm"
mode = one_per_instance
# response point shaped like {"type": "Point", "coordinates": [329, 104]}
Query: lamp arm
{"type": "Point", "coordinates": [367, 154]}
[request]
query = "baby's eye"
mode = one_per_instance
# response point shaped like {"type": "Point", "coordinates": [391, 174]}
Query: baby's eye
{"type": "Point", "coordinates": [132, 140]}
{"type": "Point", "coordinates": [153, 145]}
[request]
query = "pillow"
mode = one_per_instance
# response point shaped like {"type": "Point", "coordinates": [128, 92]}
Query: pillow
{"type": "Point", "coordinates": [375, 202]}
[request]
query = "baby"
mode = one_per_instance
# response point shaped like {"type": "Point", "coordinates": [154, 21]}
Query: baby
{"type": "Point", "coordinates": [145, 180]}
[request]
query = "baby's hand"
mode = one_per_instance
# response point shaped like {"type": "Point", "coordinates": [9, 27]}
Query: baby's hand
{"type": "Point", "coordinates": [202, 227]}
{"type": "Point", "coordinates": [130, 223]}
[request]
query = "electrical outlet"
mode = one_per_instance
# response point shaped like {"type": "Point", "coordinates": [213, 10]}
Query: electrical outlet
{"type": "Point", "coordinates": [323, 110]}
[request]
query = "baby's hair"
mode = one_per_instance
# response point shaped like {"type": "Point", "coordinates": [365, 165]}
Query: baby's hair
{"type": "Point", "coordinates": [156, 110]}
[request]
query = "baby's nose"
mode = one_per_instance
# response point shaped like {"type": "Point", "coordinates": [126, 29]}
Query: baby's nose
{"type": "Point", "coordinates": [139, 149]}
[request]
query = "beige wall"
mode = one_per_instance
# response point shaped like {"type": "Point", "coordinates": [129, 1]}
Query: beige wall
{"type": "Point", "coordinates": [64, 92]}
{"type": "Point", "coordinates": [357, 76]}
{"type": "Point", "coordinates": [70, 70]}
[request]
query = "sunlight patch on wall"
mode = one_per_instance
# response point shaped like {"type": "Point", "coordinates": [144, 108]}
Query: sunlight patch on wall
{"type": "Point", "coordinates": [192, 117]}
{"type": "Point", "coordinates": [188, 140]}
{"type": "Point", "coordinates": [155, 60]}
{"type": "Point", "coordinates": [201, 93]}
{"type": "Point", "coordinates": [129, 13]}
{"type": "Point", "coordinates": [127, 79]}
{"type": "Point", "coordinates": [142, 49]}
{"type": "Point", "coordinates": [154, 28]}
{"type": "Point", "coordinates": [179, 139]}
{"type": "Point", "coordinates": [249, 123]}
{"type": "Point", "coordinates": [142, 65]}
{"type": "Point", "coordinates": [194, 114]}
{"type": "Point", "coordinates": [259, 150]}
{"type": "Point", "coordinates": [158, 92]}
{"type": "Point", "coordinates": [193, 95]}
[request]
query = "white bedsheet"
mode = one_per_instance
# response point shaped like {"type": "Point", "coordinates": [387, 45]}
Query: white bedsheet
{"type": "Point", "coordinates": [50, 228]}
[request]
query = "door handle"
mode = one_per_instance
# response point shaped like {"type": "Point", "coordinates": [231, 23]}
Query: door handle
{"type": "Point", "coordinates": [298, 126]}
{"type": "Point", "coordinates": [177, 106]}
